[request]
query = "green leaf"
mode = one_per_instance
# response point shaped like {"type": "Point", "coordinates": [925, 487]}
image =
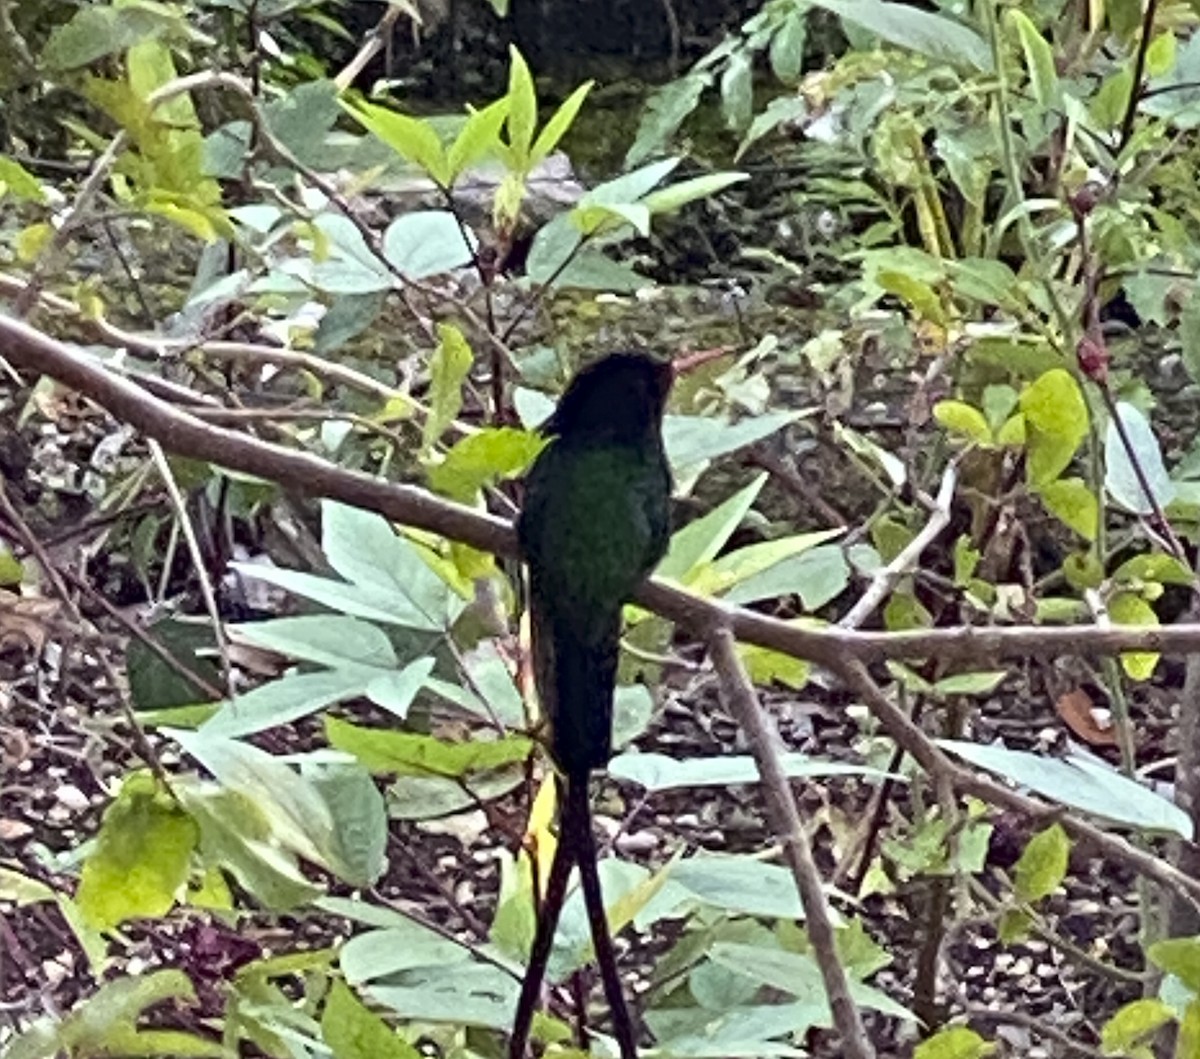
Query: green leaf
{"type": "Point", "coordinates": [471, 994]}
{"type": "Point", "coordinates": [919, 295]}
{"type": "Point", "coordinates": [141, 858]}
{"type": "Point", "coordinates": [559, 123]}
{"type": "Point", "coordinates": [1154, 567]}
{"type": "Point", "coordinates": [303, 119]}
{"type": "Point", "coordinates": [598, 218]}
{"type": "Point", "coordinates": [670, 199]}
{"type": "Point", "coordinates": [1129, 608]}
{"type": "Point", "coordinates": [817, 577]}
{"type": "Point", "coordinates": [1189, 337]}
{"type": "Point", "coordinates": [17, 181]}
{"type": "Point", "coordinates": [1120, 472]}
{"type": "Point", "coordinates": [1043, 864]}
{"type": "Point", "coordinates": [657, 772]}
{"type": "Point", "coordinates": [95, 31]}
{"type": "Point", "coordinates": [448, 370]}
{"type": "Point", "coordinates": [1160, 56]}
{"type": "Point", "coordinates": [333, 640]}
{"type": "Point", "coordinates": [364, 549]}
{"type": "Point", "coordinates": [740, 884]}
{"type": "Point", "coordinates": [987, 282]}
{"type": "Point", "coordinates": [737, 91]}
{"type": "Point", "coordinates": [666, 110]}
{"type": "Point", "coordinates": [1107, 106]}
{"type": "Point", "coordinates": [1039, 59]}
{"type": "Point", "coordinates": [981, 683]}
{"type": "Point", "coordinates": [405, 753]}
{"type": "Point", "coordinates": [236, 834]}
{"type": "Point", "coordinates": [692, 442]}
{"type": "Point", "coordinates": [557, 245]}
{"type": "Point", "coordinates": [779, 111]}
{"type": "Point", "coordinates": [1072, 502]}
{"type": "Point", "coordinates": [427, 243]}
{"type": "Point", "coordinates": [1081, 783]}
{"type": "Point", "coordinates": [483, 458]}
{"type": "Point", "coordinates": [737, 566]}
{"type": "Point", "coordinates": [22, 890]}
{"type": "Point", "coordinates": [954, 1042]}
{"type": "Point", "coordinates": [765, 666]}
{"type": "Point", "coordinates": [358, 845]}
{"type": "Point", "coordinates": [293, 810]}
{"type": "Point", "coordinates": [284, 700]}
{"type": "Point", "coordinates": [349, 316]}
{"type": "Point", "coordinates": [400, 945]}
{"type": "Point", "coordinates": [787, 46]}
{"type": "Point", "coordinates": [478, 138]}
{"type": "Point", "coordinates": [414, 139]}
{"type": "Point", "coordinates": [797, 975]}
{"type": "Point", "coordinates": [1056, 421]}
{"type": "Point", "coordinates": [905, 611]}
{"type": "Point", "coordinates": [963, 419]}
{"type": "Point", "coordinates": [1132, 1027]}
{"type": "Point", "coordinates": [354, 1032]}
{"type": "Point", "coordinates": [632, 186]}
{"type": "Point", "coordinates": [966, 560]}
{"type": "Point", "coordinates": [1180, 957]}
{"type": "Point", "coordinates": [522, 108]}
{"type": "Point", "coordinates": [700, 541]}
{"type": "Point", "coordinates": [106, 1022]}
{"type": "Point", "coordinates": [928, 34]}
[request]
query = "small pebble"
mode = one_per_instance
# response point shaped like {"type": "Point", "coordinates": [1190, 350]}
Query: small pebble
{"type": "Point", "coordinates": [72, 798]}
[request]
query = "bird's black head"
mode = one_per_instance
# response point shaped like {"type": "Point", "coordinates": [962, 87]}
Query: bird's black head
{"type": "Point", "coordinates": [620, 397]}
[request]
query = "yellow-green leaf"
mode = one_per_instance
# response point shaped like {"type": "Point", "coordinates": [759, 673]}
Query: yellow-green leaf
{"type": "Point", "coordinates": [1071, 501]}
{"type": "Point", "coordinates": [31, 241]}
{"type": "Point", "coordinates": [1128, 608]}
{"type": "Point", "coordinates": [765, 666]}
{"type": "Point", "coordinates": [1160, 56]}
{"type": "Point", "coordinates": [1056, 422]}
{"type": "Point", "coordinates": [522, 108]}
{"type": "Point", "coordinates": [412, 138]}
{"type": "Point", "coordinates": [480, 459]}
{"type": "Point", "coordinates": [479, 137]}
{"type": "Point", "coordinates": [141, 858]}
{"type": "Point", "coordinates": [963, 419]}
{"type": "Point", "coordinates": [16, 180]}
{"type": "Point", "coordinates": [1043, 864]}
{"type": "Point", "coordinates": [956, 1042]}
{"type": "Point", "coordinates": [1134, 1024]}
{"type": "Point", "coordinates": [353, 1031]}
{"type": "Point", "coordinates": [448, 369]}
{"type": "Point", "coordinates": [409, 754]}
{"type": "Point", "coordinates": [556, 127]}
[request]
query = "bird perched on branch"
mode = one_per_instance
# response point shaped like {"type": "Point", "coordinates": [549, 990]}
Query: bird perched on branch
{"type": "Point", "coordinates": [596, 521]}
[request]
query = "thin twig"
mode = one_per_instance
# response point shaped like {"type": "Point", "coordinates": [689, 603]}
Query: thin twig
{"type": "Point", "coordinates": [886, 578]}
{"type": "Point", "coordinates": [782, 810]}
{"type": "Point", "coordinates": [183, 519]}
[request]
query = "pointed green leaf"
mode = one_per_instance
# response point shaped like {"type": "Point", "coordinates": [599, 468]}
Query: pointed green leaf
{"type": "Point", "coordinates": [479, 137]}
{"type": "Point", "coordinates": [414, 139]}
{"type": "Point", "coordinates": [559, 123]}
{"type": "Point", "coordinates": [522, 108]}
{"type": "Point", "coordinates": [700, 541]}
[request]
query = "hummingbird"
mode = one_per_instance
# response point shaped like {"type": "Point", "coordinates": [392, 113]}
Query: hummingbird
{"type": "Point", "coordinates": [595, 522]}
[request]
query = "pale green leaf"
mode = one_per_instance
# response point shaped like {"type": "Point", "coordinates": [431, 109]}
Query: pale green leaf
{"type": "Point", "coordinates": [559, 123]}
